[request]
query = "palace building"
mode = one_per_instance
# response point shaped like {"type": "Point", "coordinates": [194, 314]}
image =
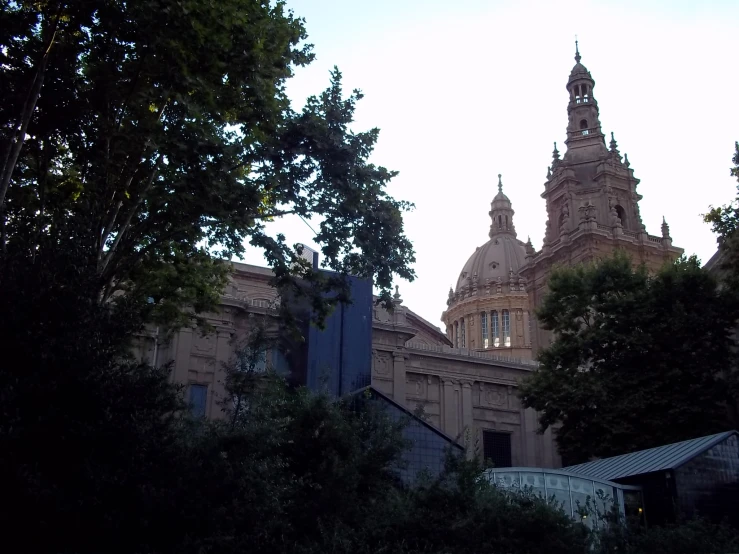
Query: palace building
{"type": "Point", "coordinates": [464, 379]}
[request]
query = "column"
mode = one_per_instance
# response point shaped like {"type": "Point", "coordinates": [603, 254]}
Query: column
{"type": "Point", "coordinates": [467, 419]}
{"type": "Point", "coordinates": [449, 418]}
{"type": "Point", "coordinates": [526, 329]}
{"type": "Point", "coordinates": [399, 391]}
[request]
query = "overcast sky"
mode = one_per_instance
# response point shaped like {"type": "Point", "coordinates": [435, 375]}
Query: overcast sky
{"type": "Point", "coordinates": [465, 90]}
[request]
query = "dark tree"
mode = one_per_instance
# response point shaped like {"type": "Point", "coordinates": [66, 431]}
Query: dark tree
{"type": "Point", "coordinates": [637, 361]}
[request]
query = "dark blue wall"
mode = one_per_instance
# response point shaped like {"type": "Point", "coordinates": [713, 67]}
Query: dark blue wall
{"type": "Point", "coordinates": [339, 356]}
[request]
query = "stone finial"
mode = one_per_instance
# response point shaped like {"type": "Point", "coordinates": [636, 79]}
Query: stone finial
{"type": "Point", "coordinates": [614, 148]}
{"type": "Point", "coordinates": [665, 229]}
{"type": "Point", "coordinates": [555, 157]}
{"type": "Point", "coordinates": [529, 248]}
{"type": "Point", "coordinates": [451, 294]}
{"type": "Point", "coordinates": [577, 51]}
{"type": "Point", "coordinates": [396, 296]}
{"type": "Point", "coordinates": [549, 172]}
{"type": "Point", "coordinates": [511, 281]}
{"type": "Point", "coordinates": [500, 183]}
{"type": "Point", "coordinates": [626, 160]}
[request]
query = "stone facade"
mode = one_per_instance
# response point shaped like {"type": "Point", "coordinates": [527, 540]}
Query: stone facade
{"type": "Point", "coordinates": [460, 391]}
{"type": "Point", "coordinates": [592, 202]}
{"type": "Point", "coordinates": [464, 381]}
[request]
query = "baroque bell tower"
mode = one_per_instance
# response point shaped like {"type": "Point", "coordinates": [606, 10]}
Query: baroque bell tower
{"type": "Point", "coordinates": [591, 200]}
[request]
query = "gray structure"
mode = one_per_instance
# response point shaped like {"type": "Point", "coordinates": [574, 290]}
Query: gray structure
{"type": "Point", "coordinates": [697, 476]}
{"type": "Point", "coordinates": [427, 448]}
{"type": "Point", "coordinates": [580, 497]}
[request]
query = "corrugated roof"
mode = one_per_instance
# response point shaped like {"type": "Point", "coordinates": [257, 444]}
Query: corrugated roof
{"type": "Point", "coordinates": [670, 456]}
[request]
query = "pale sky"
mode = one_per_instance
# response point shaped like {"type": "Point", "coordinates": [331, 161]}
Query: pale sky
{"type": "Point", "coordinates": [462, 91]}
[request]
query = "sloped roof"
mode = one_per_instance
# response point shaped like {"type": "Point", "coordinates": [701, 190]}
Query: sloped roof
{"type": "Point", "coordinates": [430, 327]}
{"type": "Point", "coordinates": [384, 398]}
{"type": "Point", "coordinates": [715, 261]}
{"type": "Point", "coordinates": [670, 456]}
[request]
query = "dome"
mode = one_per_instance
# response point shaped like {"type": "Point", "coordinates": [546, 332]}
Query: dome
{"type": "Point", "coordinates": [579, 72]}
{"type": "Point", "coordinates": [497, 258]}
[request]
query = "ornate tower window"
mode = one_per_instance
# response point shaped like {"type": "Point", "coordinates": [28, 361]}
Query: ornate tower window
{"type": "Point", "coordinates": [506, 328]}
{"type": "Point", "coordinates": [456, 334]}
{"type": "Point", "coordinates": [621, 214]}
{"type": "Point", "coordinates": [484, 328]}
{"type": "Point", "coordinates": [495, 328]}
{"type": "Point", "coordinates": [463, 341]}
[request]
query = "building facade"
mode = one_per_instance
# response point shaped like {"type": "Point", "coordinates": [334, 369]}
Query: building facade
{"type": "Point", "coordinates": [592, 202]}
{"type": "Point", "coordinates": [463, 381]}
{"type": "Point", "coordinates": [468, 395]}
{"type": "Point", "coordinates": [488, 310]}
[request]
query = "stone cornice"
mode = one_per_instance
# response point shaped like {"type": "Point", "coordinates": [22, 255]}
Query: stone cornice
{"type": "Point", "coordinates": [471, 356]}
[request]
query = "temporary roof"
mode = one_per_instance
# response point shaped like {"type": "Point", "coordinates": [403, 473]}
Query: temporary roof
{"type": "Point", "coordinates": [670, 456]}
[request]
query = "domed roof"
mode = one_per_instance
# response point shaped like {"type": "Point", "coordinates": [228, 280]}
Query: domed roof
{"type": "Point", "coordinates": [498, 257]}
{"type": "Point", "coordinates": [579, 71]}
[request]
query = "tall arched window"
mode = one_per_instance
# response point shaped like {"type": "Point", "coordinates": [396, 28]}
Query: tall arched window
{"type": "Point", "coordinates": [495, 329]}
{"type": "Point", "coordinates": [621, 214]}
{"type": "Point", "coordinates": [506, 328]}
{"type": "Point", "coordinates": [484, 329]}
{"type": "Point", "coordinates": [463, 341]}
{"type": "Point", "coordinates": [456, 334]}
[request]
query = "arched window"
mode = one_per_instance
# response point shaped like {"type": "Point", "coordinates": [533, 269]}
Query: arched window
{"type": "Point", "coordinates": [494, 328]}
{"type": "Point", "coordinates": [456, 334]}
{"type": "Point", "coordinates": [506, 328]}
{"type": "Point", "coordinates": [621, 214]}
{"type": "Point", "coordinates": [463, 341]}
{"type": "Point", "coordinates": [500, 221]}
{"type": "Point", "coordinates": [583, 124]}
{"type": "Point", "coordinates": [484, 329]}
{"type": "Point", "coordinates": [506, 222]}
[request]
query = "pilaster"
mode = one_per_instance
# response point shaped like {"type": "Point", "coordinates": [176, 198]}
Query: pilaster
{"type": "Point", "coordinates": [399, 391]}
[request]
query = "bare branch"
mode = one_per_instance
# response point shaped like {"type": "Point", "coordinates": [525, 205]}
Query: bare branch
{"type": "Point", "coordinates": [129, 216]}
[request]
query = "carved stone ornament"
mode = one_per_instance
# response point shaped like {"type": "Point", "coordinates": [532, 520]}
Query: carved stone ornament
{"type": "Point", "coordinates": [381, 362]}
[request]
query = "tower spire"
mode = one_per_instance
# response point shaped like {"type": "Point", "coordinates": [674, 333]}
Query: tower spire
{"type": "Point", "coordinates": [577, 51]}
{"type": "Point", "coordinates": [501, 213]}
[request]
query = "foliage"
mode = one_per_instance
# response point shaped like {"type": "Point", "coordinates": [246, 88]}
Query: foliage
{"type": "Point", "coordinates": [696, 536]}
{"type": "Point", "coordinates": [724, 221]}
{"type": "Point", "coordinates": [637, 361]}
{"type": "Point", "coordinates": [158, 134]}
{"type": "Point", "coordinates": [462, 512]}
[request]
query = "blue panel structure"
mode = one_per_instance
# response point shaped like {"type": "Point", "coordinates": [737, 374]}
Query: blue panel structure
{"type": "Point", "coordinates": [340, 355]}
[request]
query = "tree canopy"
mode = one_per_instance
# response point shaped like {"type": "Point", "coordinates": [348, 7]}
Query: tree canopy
{"type": "Point", "coordinates": [637, 360]}
{"type": "Point", "coordinates": [157, 138]}
{"type": "Point", "coordinates": [724, 221]}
